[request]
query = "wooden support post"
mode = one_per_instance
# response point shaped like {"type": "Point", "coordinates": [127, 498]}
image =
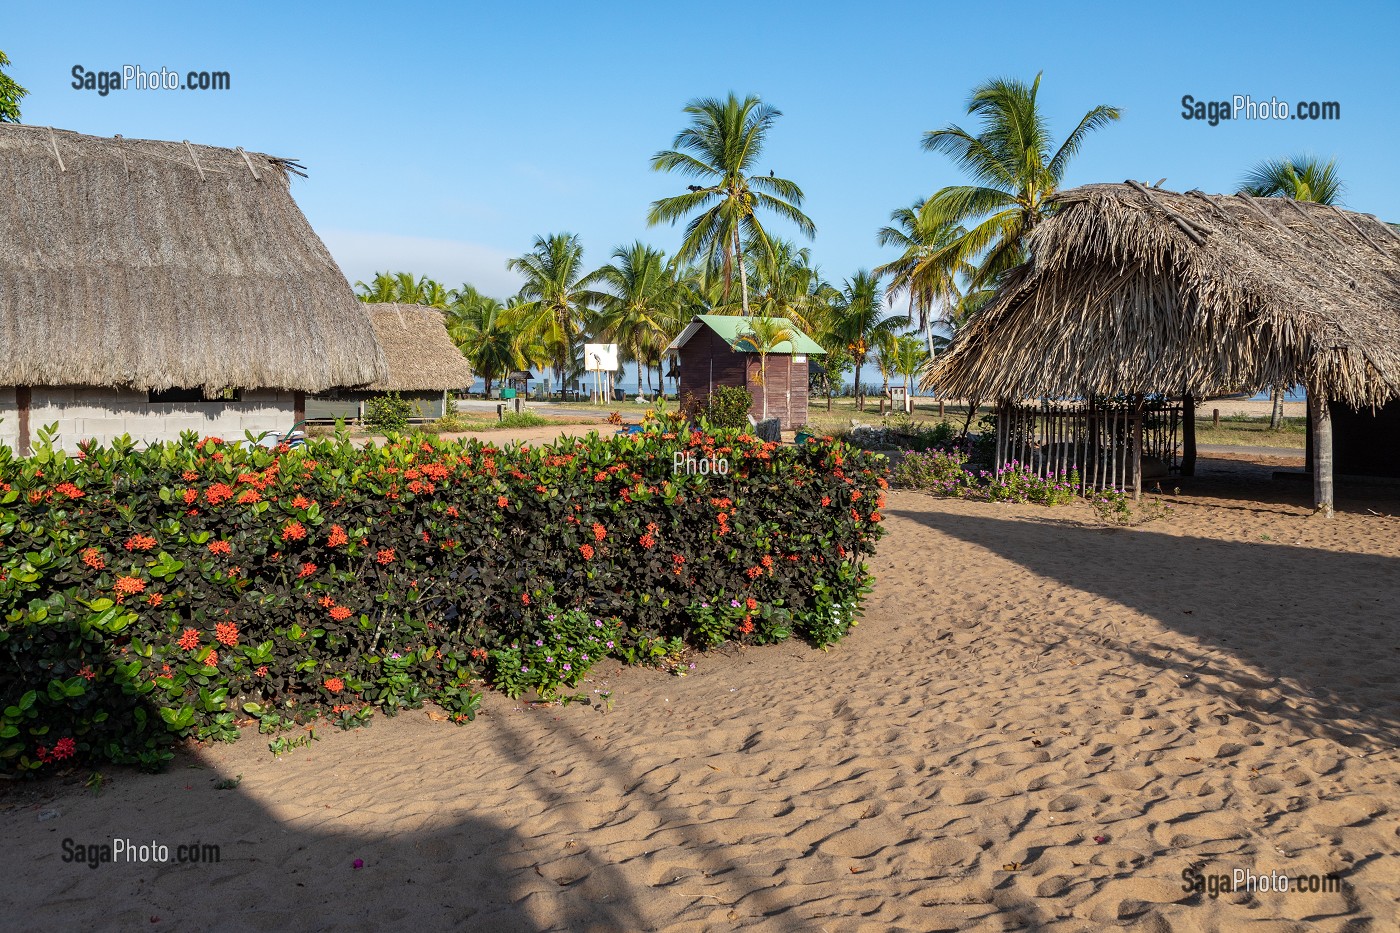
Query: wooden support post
{"type": "Point", "coordinates": [23, 399]}
{"type": "Point", "coordinates": [940, 409]}
{"type": "Point", "coordinates": [1188, 435]}
{"type": "Point", "coordinates": [298, 408]}
{"type": "Point", "coordinates": [1137, 449]}
{"type": "Point", "coordinates": [1321, 414]}
{"type": "Point", "coordinates": [1215, 417]}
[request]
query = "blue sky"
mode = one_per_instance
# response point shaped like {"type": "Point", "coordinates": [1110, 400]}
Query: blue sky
{"type": "Point", "coordinates": [441, 138]}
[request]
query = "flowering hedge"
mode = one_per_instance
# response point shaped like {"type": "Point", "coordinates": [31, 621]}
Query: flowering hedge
{"type": "Point", "coordinates": [163, 594]}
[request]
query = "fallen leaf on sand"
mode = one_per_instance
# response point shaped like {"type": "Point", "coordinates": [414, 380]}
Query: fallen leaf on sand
{"type": "Point", "coordinates": [1011, 866]}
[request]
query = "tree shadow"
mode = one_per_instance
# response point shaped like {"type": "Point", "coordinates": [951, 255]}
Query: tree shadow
{"type": "Point", "coordinates": [279, 873]}
{"type": "Point", "coordinates": [1317, 626]}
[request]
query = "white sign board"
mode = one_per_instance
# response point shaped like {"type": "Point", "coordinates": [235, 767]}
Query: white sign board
{"type": "Point", "coordinates": [600, 357]}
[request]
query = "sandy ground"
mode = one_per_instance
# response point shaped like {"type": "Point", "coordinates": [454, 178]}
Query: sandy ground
{"type": "Point", "coordinates": [1041, 723]}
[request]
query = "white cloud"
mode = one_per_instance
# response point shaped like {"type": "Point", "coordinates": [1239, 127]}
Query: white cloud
{"type": "Point", "coordinates": [361, 254]}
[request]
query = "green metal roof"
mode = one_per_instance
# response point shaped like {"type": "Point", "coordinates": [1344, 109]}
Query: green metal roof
{"type": "Point", "coordinates": [733, 327]}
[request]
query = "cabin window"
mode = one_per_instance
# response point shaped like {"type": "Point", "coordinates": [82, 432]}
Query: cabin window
{"type": "Point", "coordinates": [193, 395]}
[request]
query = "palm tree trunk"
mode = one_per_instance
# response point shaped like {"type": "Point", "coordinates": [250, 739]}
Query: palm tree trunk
{"type": "Point", "coordinates": [1276, 415]}
{"type": "Point", "coordinates": [860, 397]}
{"type": "Point", "coordinates": [763, 381]}
{"type": "Point", "coordinates": [743, 275]}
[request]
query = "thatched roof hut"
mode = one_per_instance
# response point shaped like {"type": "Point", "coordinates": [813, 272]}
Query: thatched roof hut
{"type": "Point", "coordinates": [1140, 290]}
{"type": "Point", "coordinates": [1133, 291]}
{"type": "Point", "coordinates": [150, 265]}
{"type": "Point", "coordinates": [420, 354]}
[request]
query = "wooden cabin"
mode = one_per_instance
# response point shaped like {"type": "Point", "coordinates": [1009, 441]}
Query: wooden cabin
{"type": "Point", "coordinates": [713, 351]}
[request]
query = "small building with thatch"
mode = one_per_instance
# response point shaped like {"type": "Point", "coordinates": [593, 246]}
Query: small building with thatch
{"type": "Point", "coordinates": [1137, 301]}
{"type": "Point", "coordinates": [714, 351]}
{"type": "Point", "coordinates": [425, 366]}
{"type": "Point", "coordinates": [149, 288]}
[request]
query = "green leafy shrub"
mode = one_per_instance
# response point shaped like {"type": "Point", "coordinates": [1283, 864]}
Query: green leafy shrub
{"type": "Point", "coordinates": [727, 407]}
{"type": "Point", "coordinates": [941, 472]}
{"type": "Point", "coordinates": [389, 413]}
{"type": "Point", "coordinates": [523, 419]}
{"type": "Point", "coordinates": [163, 594]}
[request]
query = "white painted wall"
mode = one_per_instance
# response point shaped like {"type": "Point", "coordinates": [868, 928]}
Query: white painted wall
{"type": "Point", "coordinates": [103, 415]}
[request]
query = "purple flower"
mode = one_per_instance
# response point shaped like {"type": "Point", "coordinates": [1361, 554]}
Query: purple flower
{"type": "Point", "coordinates": [548, 659]}
{"type": "Point", "coordinates": [734, 603]}
{"type": "Point", "coordinates": [597, 623]}
{"type": "Point", "coordinates": [585, 657]}
{"type": "Point", "coordinates": [610, 644]}
{"type": "Point", "coordinates": [551, 617]}
{"type": "Point", "coordinates": [568, 667]}
{"type": "Point", "coordinates": [524, 670]}
{"type": "Point", "coordinates": [539, 642]}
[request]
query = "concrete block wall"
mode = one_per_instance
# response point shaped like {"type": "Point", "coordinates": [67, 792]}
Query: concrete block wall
{"type": "Point", "coordinates": [9, 418]}
{"type": "Point", "coordinates": [102, 414]}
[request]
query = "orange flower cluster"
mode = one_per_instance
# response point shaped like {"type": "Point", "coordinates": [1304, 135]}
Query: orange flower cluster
{"type": "Point", "coordinates": [129, 586]}
{"type": "Point", "coordinates": [218, 493]}
{"type": "Point", "coordinates": [249, 497]}
{"type": "Point", "coordinates": [307, 569]}
{"type": "Point", "coordinates": [220, 547]}
{"type": "Point", "coordinates": [294, 531]}
{"type": "Point", "coordinates": [340, 613]}
{"type": "Point", "coordinates": [587, 551]}
{"type": "Point", "coordinates": [226, 633]}
{"type": "Point", "coordinates": [384, 556]}
{"type": "Point", "coordinates": [337, 537]}
{"type": "Point", "coordinates": [334, 684]}
{"type": "Point", "coordinates": [301, 502]}
{"type": "Point", "coordinates": [189, 476]}
{"type": "Point", "coordinates": [599, 532]}
{"type": "Point", "coordinates": [93, 558]}
{"type": "Point", "coordinates": [140, 543]}
{"type": "Point", "coordinates": [69, 490]}
{"type": "Point", "coordinates": [190, 496]}
{"type": "Point", "coordinates": [155, 599]}
{"type": "Point", "coordinates": [502, 502]}
{"type": "Point", "coordinates": [189, 639]}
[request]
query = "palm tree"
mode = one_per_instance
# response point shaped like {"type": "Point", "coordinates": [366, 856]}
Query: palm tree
{"type": "Point", "coordinates": [764, 334]}
{"type": "Point", "coordinates": [909, 357]}
{"type": "Point", "coordinates": [404, 288]}
{"type": "Point", "coordinates": [858, 322]}
{"type": "Point", "coordinates": [556, 295]}
{"type": "Point", "coordinates": [928, 267]}
{"type": "Point", "coordinates": [638, 306]}
{"type": "Point", "coordinates": [1014, 170]}
{"type": "Point", "coordinates": [788, 285]}
{"type": "Point", "coordinates": [481, 328]}
{"type": "Point", "coordinates": [1305, 178]}
{"type": "Point", "coordinates": [722, 146]}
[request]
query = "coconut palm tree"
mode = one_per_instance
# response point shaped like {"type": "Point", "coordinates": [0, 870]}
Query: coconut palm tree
{"type": "Point", "coordinates": [481, 328]}
{"type": "Point", "coordinates": [1015, 168]}
{"type": "Point", "coordinates": [788, 285]}
{"type": "Point", "coordinates": [1305, 178]}
{"type": "Point", "coordinates": [721, 148]}
{"type": "Point", "coordinates": [638, 307]}
{"type": "Point", "coordinates": [404, 288]}
{"type": "Point", "coordinates": [764, 334]}
{"type": "Point", "coordinates": [556, 297]}
{"type": "Point", "coordinates": [383, 288]}
{"type": "Point", "coordinates": [859, 323]}
{"type": "Point", "coordinates": [928, 267]}
{"type": "Point", "coordinates": [909, 356]}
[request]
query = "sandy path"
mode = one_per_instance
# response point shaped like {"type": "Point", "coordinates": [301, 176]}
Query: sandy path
{"type": "Point", "coordinates": [1218, 688]}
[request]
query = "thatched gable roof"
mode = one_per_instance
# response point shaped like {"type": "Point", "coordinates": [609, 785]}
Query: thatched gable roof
{"type": "Point", "coordinates": [1133, 289]}
{"type": "Point", "coordinates": [420, 354]}
{"type": "Point", "coordinates": [155, 265]}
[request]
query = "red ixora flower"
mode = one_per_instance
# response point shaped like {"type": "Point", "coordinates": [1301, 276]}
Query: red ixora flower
{"type": "Point", "coordinates": [69, 490]}
{"type": "Point", "coordinates": [337, 537]}
{"type": "Point", "coordinates": [340, 613]}
{"type": "Point", "coordinates": [384, 556]}
{"type": "Point", "coordinates": [129, 586]}
{"type": "Point", "coordinates": [226, 633]}
{"type": "Point", "coordinates": [219, 492]}
{"type": "Point", "coordinates": [587, 551]}
{"type": "Point", "coordinates": [502, 502]}
{"type": "Point", "coordinates": [452, 511]}
{"type": "Point", "coordinates": [140, 543]}
{"type": "Point", "coordinates": [189, 476]}
{"type": "Point", "coordinates": [599, 532]}
{"type": "Point", "coordinates": [293, 531]}
{"type": "Point", "coordinates": [155, 599]}
{"type": "Point", "coordinates": [647, 541]}
{"type": "Point", "coordinates": [334, 684]}
{"type": "Point", "coordinates": [249, 497]}
{"type": "Point", "coordinates": [86, 672]}
{"type": "Point", "coordinates": [93, 558]}
{"type": "Point", "coordinates": [212, 660]}
{"type": "Point", "coordinates": [301, 502]}
{"type": "Point", "coordinates": [262, 670]}
{"type": "Point", "coordinates": [189, 639]}
{"type": "Point", "coordinates": [307, 569]}
{"type": "Point", "coordinates": [220, 547]}
{"type": "Point", "coordinates": [826, 500]}
{"type": "Point", "coordinates": [525, 599]}
{"type": "Point", "coordinates": [64, 748]}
